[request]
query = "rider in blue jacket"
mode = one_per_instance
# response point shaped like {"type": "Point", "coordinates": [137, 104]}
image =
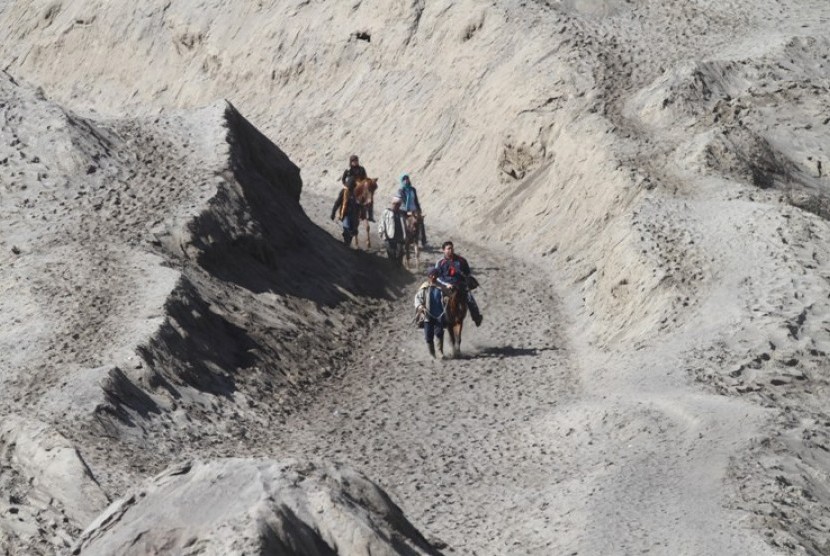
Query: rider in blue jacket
{"type": "Point", "coordinates": [455, 271]}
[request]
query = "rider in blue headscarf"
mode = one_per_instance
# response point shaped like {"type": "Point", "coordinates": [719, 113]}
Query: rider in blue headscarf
{"type": "Point", "coordinates": [410, 203]}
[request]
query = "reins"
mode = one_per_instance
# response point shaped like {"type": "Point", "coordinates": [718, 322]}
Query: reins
{"type": "Point", "coordinates": [457, 291]}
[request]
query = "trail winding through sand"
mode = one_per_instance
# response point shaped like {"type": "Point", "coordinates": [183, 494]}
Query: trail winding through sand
{"type": "Point", "coordinates": [509, 450]}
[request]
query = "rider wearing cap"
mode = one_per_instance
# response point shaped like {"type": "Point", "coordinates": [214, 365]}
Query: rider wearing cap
{"type": "Point", "coordinates": [354, 170]}
{"type": "Point", "coordinates": [455, 271]}
{"type": "Point", "coordinates": [429, 310]}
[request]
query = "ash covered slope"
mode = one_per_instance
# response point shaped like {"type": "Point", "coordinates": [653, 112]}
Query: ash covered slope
{"type": "Point", "coordinates": [163, 294]}
{"type": "Point", "coordinates": [243, 506]}
{"type": "Point", "coordinates": [554, 120]}
{"type": "Point", "coordinates": [665, 165]}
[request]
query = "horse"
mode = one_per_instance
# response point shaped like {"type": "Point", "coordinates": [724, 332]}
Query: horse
{"type": "Point", "coordinates": [364, 192]}
{"type": "Point", "coordinates": [455, 310]}
{"type": "Point", "coordinates": [412, 231]}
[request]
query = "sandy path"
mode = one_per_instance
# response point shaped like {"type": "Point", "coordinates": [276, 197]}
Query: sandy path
{"type": "Point", "coordinates": [456, 441]}
{"type": "Point", "coordinates": [531, 444]}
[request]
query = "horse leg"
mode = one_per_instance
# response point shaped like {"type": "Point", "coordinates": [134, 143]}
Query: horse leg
{"type": "Point", "coordinates": [357, 236]}
{"type": "Point", "coordinates": [368, 236]}
{"type": "Point", "coordinates": [451, 332]}
{"type": "Point", "coordinates": [456, 340]}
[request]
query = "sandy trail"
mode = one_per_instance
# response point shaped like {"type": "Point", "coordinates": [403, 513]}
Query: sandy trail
{"type": "Point", "coordinates": [457, 440]}
{"type": "Point", "coordinates": [662, 164]}
{"type": "Point", "coordinates": [531, 443]}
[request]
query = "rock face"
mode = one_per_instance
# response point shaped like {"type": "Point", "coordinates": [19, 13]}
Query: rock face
{"type": "Point", "coordinates": [48, 489]}
{"type": "Point", "coordinates": [239, 506]}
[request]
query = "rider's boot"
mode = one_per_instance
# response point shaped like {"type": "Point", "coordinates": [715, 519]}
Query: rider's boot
{"type": "Point", "coordinates": [474, 312]}
{"type": "Point", "coordinates": [431, 347]}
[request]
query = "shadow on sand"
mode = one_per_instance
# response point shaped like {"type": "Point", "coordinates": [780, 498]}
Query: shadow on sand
{"type": "Point", "coordinates": [256, 234]}
{"type": "Point", "coordinates": [494, 352]}
{"type": "Point", "coordinates": [500, 352]}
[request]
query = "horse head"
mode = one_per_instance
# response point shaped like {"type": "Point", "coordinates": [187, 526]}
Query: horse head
{"type": "Point", "coordinates": [365, 189]}
{"type": "Point", "coordinates": [455, 310]}
{"type": "Point", "coordinates": [364, 194]}
{"type": "Point", "coordinates": [412, 223]}
{"type": "Point", "coordinates": [456, 303]}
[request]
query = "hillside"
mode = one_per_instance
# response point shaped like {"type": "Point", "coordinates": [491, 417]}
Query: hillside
{"type": "Point", "coordinates": [641, 185]}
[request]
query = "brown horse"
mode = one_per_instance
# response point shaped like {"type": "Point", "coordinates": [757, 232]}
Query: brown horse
{"type": "Point", "coordinates": [364, 192]}
{"type": "Point", "coordinates": [412, 231]}
{"type": "Point", "coordinates": [455, 310]}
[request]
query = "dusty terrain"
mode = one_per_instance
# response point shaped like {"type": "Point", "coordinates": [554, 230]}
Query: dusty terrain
{"type": "Point", "coordinates": [640, 187]}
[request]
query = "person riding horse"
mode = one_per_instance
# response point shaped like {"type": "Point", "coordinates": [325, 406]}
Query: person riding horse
{"type": "Point", "coordinates": [429, 306]}
{"type": "Point", "coordinates": [410, 203]}
{"type": "Point", "coordinates": [358, 172]}
{"type": "Point", "coordinates": [455, 271]}
{"type": "Point", "coordinates": [346, 209]}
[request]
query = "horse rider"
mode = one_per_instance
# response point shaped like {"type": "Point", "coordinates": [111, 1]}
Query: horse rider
{"type": "Point", "coordinates": [391, 231]}
{"type": "Point", "coordinates": [409, 196]}
{"type": "Point", "coordinates": [455, 271]}
{"type": "Point", "coordinates": [346, 209]}
{"type": "Point", "coordinates": [358, 172]}
{"type": "Point", "coordinates": [429, 310]}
